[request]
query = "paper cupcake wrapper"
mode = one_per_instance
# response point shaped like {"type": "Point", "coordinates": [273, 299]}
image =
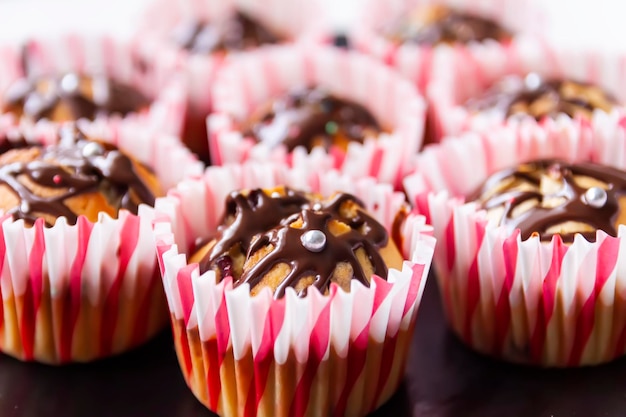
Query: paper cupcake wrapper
{"type": "Point", "coordinates": [153, 42]}
{"type": "Point", "coordinates": [540, 303]}
{"type": "Point", "coordinates": [242, 87]}
{"type": "Point", "coordinates": [75, 293]}
{"type": "Point", "coordinates": [98, 55]}
{"type": "Point", "coordinates": [459, 79]}
{"type": "Point", "coordinates": [338, 354]}
{"type": "Point", "coordinates": [421, 63]}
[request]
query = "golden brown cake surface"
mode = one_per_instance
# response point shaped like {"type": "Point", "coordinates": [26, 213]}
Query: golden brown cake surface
{"type": "Point", "coordinates": [541, 98]}
{"type": "Point", "coordinates": [439, 24]}
{"type": "Point", "coordinates": [75, 177]}
{"type": "Point", "coordinates": [549, 197]}
{"type": "Point", "coordinates": [71, 97]}
{"type": "Point", "coordinates": [311, 117]}
{"type": "Point", "coordinates": [285, 238]}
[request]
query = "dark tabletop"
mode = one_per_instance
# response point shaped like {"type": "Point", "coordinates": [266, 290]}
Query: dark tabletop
{"type": "Point", "coordinates": [444, 379]}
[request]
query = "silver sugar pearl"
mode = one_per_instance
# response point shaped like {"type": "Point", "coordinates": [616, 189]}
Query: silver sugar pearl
{"type": "Point", "coordinates": [317, 206]}
{"type": "Point", "coordinates": [92, 149]}
{"type": "Point", "coordinates": [595, 197]}
{"type": "Point", "coordinates": [70, 83]}
{"type": "Point", "coordinates": [313, 240]}
{"type": "Point", "coordinates": [24, 206]}
{"type": "Point", "coordinates": [532, 81]}
{"type": "Point", "coordinates": [275, 194]}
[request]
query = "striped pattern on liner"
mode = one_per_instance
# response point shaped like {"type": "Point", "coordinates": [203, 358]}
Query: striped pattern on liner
{"type": "Point", "coordinates": [547, 304]}
{"type": "Point", "coordinates": [335, 354]}
{"type": "Point", "coordinates": [78, 293]}
{"type": "Point", "coordinates": [250, 80]}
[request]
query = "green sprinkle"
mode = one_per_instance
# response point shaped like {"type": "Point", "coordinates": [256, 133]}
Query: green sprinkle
{"type": "Point", "coordinates": [331, 128]}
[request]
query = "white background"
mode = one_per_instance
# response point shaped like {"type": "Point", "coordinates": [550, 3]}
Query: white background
{"type": "Point", "coordinates": [597, 23]}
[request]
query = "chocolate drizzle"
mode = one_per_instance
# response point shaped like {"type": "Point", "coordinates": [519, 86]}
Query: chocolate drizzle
{"type": "Point", "coordinates": [80, 97]}
{"type": "Point", "coordinates": [256, 220]}
{"type": "Point", "coordinates": [310, 117]}
{"type": "Point", "coordinates": [444, 25]}
{"type": "Point", "coordinates": [542, 98]}
{"type": "Point", "coordinates": [251, 214]}
{"type": "Point", "coordinates": [572, 206]}
{"type": "Point", "coordinates": [71, 168]}
{"type": "Point", "coordinates": [236, 32]}
{"type": "Point", "coordinates": [365, 233]}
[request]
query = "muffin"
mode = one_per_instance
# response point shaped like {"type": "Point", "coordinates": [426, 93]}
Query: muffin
{"type": "Point", "coordinates": [71, 97]}
{"type": "Point", "coordinates": [311, 117]}
{"type": "Point", "coordinates": [296, 300]}
{"type": "Point", "coordinates": [431, 25]}
{"type": "Point", "coordinates": [551, 85]}
{"type": "Point", "coordinates": [195, 37]}
{"type": "Point", "coordinates": [80, 280]}
{"type": "Point", "coordinates": [414, 37]}
{"type": "Point", "coordinates": [528, 267]}
{"type": "Point", "coordinates": [90, 79]}
{"type": "Point", "coordinates": [365, 118]}
{"type": "Point", "coordinates": [235, 32]}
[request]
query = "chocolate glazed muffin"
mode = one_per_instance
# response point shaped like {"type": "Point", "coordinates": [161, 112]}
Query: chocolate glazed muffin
{"type": "Point", "coordinates": [75, 177]}
{"type": "Point", "coordinates": [311, 117]}
{"type": "Point", "coordinates": [232, 33]}
{"type": "Point", "coordinates": [541, 98]}
{"type": "Point", "coordinates": [283, 238]}
{"type": "Point", "coordinates": [548, 197]}
{"type": "Point", "coordinates": [235, 32]}
{"type": "Point", "coordinates": [439, 24]}
{"type": "Point", "coordinates": [70, 97]}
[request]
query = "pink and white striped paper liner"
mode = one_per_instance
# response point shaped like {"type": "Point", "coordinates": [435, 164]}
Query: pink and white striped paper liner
{"type": "Point", "coordinates": [460, 79]}
{"type": "Point", "coordinates": [336, 354]}
{"type": "Point", "coordinates": [547, 304]}
{"type": "Point", "coordinates": [249, 81]}
{"type": "Point", "coordinates": [154, 45]}
{"type": "Point", "coordinates": [75, 293]}
{"type": "Point", "coordinates": [98, 55]}
{"type": "Point", "coordinates": [421, 63]}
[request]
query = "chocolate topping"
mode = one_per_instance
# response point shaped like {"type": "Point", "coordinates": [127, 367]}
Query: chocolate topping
{"type": "Point", "coordinates": [439, 24]}
{"type": "Point", "coordinates": [310, 117]}
{"type": "Point", "coordinates": [81, 97]}
{"type": "Point", "coordinates": [236, 32]}
{"type": "Point", "coordinates": [262, 220]}
{"type": "Point", "coordinates": [364, 233]}
{"type": "Point", "coordinates": [251, 214]}
{"type": "Point", "coordinates": [592, 207]}
{"type": "Point", "coordinates": [73, 167]}
{"type": "Point", "coordinates": [543, 98]}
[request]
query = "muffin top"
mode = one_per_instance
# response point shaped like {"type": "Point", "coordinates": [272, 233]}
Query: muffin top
{"type": "Point", "coordinates": [311, 117]}
{"type": "Point", "coordinates": [280, 238]}
{"type": "Point", "coordinates": [71, 97]}
{"type": "Point", "coordinates": [235, 32]}
{"type": "Point", "coordinates": [548, 197]}
{"type": "Point", "coordinates": [439, 24]}
{"type": "Point", "coordinates": [541, 98]}
{"type": "Point", "coordinates": [75, 177]}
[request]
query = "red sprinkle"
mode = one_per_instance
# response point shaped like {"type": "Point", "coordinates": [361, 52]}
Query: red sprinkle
{"type": "Point", "coordinates": [57, 179]}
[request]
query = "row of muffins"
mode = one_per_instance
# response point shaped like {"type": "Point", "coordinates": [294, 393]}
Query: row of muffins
{"type": "Point", "coordinates": [296, 346]}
